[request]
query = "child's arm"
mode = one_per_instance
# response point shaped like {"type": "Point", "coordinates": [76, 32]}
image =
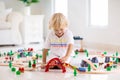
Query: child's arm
{"type": "Point", "coordinates": [68, 53]}
{"type": "Point", "coordinates": [44, 56]}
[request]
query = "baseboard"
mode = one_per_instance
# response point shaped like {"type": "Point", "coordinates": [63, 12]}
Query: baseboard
{"type": "Point", "coordinates": [101, 46]}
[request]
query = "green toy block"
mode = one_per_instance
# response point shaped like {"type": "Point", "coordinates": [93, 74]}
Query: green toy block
{"type": "Point", "coordinates": [108, 68]}
{"type": "Point", "coordinates": [114, 66]}
{"type": "Point", "coordinates": [18, 56]}
{"type": "Point", "coordinates": [18, 72]}
{"type": "Point", "coordinates": [34, 61]}
{"type": "Point", "coordinates": [13, 69]}
{"type": "Point", "coordinates": [25, 53]}
{"type": "Point", "coordinates": [105, 52]}
{"type": "Point", "coordinates": [40, 56]}
{"type": "Point", "coordinates": [76, 52]}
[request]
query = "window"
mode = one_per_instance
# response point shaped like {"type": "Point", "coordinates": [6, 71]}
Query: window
{"type": "Point", "coordinates": [61, 6]}
{"type": "Point", "coordinates": [98, 13]}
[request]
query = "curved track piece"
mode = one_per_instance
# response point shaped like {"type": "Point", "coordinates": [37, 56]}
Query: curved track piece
{"type": "Point", "coordinates": [59, 64]}
{"type": "Point", "coordinates": [91, 64]}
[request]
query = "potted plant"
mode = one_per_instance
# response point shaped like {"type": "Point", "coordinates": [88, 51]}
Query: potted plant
{"type": "Point", "coordinates": [29, 2]}
{"type": "Point", "coordinates": [27, 10]}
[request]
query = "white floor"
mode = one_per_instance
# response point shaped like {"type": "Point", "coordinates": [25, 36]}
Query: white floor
{"type": "Point", "coordinates": [36, 47]}
{"type": "Point", "coordinates": [6, 74]}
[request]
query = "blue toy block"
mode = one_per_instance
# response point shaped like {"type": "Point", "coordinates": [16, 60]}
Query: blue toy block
{"type": "Point", "coordinates": [82, 69]}
{"type": "Point", "coordinates": [20, 50]}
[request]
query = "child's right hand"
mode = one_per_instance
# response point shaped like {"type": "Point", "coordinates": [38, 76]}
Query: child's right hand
{"type": "Point", "coordinates": [43, 66]}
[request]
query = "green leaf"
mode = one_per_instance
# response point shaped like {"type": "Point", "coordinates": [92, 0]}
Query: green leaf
{"type": "Point", "coordinates": [35, 1]}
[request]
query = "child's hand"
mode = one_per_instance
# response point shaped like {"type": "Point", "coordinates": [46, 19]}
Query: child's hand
{"type": "Point", "coordinates": [42, 66]}
{"type": "Point", "coordinates": [63, 59]}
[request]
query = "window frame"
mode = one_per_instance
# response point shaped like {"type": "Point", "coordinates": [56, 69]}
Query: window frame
{"type": "Point", "coordinates": [89, 17]}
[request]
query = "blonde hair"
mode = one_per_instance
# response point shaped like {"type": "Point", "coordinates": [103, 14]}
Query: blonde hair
{"type": "Point", "coordinates": [58, 21]}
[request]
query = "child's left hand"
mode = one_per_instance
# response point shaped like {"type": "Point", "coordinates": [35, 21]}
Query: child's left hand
{"type": "Point", "coordinates": [63, 59]}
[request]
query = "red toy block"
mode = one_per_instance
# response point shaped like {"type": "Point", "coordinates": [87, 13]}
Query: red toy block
{"type": "Point", "coordinates": [21, 69]}
{"type": "Point", "coordinates": [34, 65]}
{"type": "Point", "coordinates": [30, 49]}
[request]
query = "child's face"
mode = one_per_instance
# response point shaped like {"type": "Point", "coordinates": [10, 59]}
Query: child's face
{"type": "Point", "coordinates": [59, 32]}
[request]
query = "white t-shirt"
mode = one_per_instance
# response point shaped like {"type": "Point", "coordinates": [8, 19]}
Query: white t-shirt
{"type": "Point", "coordinates": [58, 46]}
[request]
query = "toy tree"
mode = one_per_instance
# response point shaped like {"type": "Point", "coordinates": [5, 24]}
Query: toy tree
{"type": "Point", "coordinates": [0, 54]}
{"type": "Point", "coordinates": [30, 64]}
{"type": "Point", "coordinates": [18, 56]}
{"type": "Point", "coordinates": [116, 53]}
{"type": "Point", "coordinates": [37, 56]}
{"type": "Point", "coordinates": [10, 64]}
{"type": "Point", "coordinates": [40, 56]}
{"type": "Point", "coordinates": [117, 60]}
{"type": "Point", "coordinates": [34, 61]}
{"type": "Point", "coordinates": [13, 69]}
{"type": "Point", "coordinates": [4, 54]}
{"type": "Point", "coordinates": [89, 67]}
{"type": "Point", "coordinates": [76, 52]}
{"type": "Point", "coordinates": [87, 54]}
{"type": "Point", "coordinates": [18, 72]}
{"type": "Point", "coordinates": [105, 53]}
{"type": "Point", "coordinates": [75, 72]}
{"type": "Point", "coordinates": [113, 58]}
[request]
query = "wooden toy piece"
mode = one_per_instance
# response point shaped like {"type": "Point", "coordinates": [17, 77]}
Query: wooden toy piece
{"type": "Point", "coordinates": [4, 64]}
{"type": "Point", "coordinates": [11, 64]}
{"type": "Point", "coordinates": [81, 43]}
{"type": "Point", "coordinates": [90, 72]}
{"type": "Point", "coordinates": [22, 68]}
{"type": "Point", "coordinates": [114, 56]}
{"type": "Point", "coordinates": [29, 69]}
{"type": "Point", "coordinates": [91, 64]}
{"type": "Point", "coordinates": [59, 64]}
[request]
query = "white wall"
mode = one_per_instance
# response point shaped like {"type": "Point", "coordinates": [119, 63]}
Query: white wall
{"type": "Point", "coordinates": [41, 8]}
{"type": "Point", "coordinates": [107, 38]}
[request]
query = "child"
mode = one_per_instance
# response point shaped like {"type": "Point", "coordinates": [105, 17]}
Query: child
{"type": "Point", "coordinates": [59, 41]}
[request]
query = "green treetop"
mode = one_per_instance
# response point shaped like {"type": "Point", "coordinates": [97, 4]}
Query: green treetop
{"type": "Point", "coordinates": [29, 2]}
